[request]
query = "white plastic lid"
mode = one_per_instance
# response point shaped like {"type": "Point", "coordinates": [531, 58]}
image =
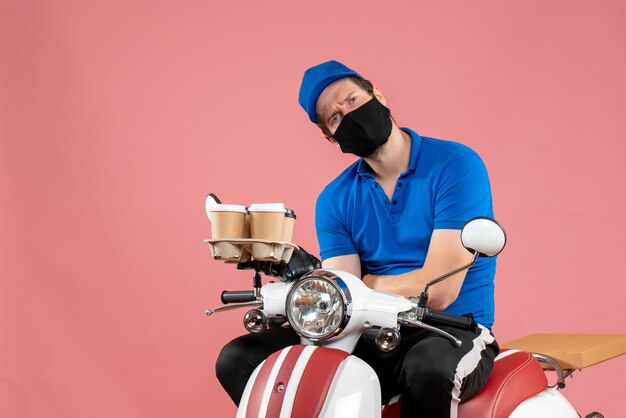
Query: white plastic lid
{"type": "Point", "coordinates": [267, 207]}
{"type": "Point", "coordinates": [220, 207]}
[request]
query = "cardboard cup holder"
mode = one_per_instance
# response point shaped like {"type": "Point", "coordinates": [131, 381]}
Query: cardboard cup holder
{"type": "Point", "coordinates": [262, 231]}
{"type": "Point", "coordinates": [246, 249]}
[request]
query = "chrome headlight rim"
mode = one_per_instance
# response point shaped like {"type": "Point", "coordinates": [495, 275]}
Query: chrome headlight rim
{"type": "Point", "coordinates": [341, 287]}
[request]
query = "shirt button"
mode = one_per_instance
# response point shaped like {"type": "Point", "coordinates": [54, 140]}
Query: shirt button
{"type": "Point", "coordinates": [385, 202]}
{"type": "Point", "coordinates": [394, 202]}
{"type": "Point", "coordinates": [400, 184]}
{"type": "Point", "coordinates": [376, 186]}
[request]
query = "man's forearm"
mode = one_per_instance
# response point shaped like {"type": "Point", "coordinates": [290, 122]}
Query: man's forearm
{"type": "Point", "coordinates": [413, 282]}
{"type": "Point", "coordinates": [406, 284]}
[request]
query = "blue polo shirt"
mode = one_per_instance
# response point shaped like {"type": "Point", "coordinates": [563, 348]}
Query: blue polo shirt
{"type": "Point", "coordinates": [444, 186]}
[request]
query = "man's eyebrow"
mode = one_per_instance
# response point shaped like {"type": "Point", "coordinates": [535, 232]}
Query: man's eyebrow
{"type": "Point", "coordinates": [350, 95]}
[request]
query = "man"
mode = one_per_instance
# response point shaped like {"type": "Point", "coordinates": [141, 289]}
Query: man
{"type": "Point", "coordinates": [394, 218]}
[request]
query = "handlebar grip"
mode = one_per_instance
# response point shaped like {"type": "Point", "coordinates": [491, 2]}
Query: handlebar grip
{"type": "Point", "coordinates": [432, 317]}
{"type": "Point", "coordinates": [235, 296]}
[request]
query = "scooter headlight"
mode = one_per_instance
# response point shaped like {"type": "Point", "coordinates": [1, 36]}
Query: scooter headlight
{"type": "Point", "coordinates": [318, 305]}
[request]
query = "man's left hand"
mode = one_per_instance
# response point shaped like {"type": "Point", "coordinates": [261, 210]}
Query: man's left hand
{"type": "Point", "coordinates": [371, 280]}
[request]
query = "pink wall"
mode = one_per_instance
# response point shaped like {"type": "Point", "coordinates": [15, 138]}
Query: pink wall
{"type": "Point", "coordinates": [117, 117]}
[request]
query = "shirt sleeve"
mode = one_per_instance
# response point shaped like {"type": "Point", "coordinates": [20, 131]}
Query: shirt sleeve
{"type": "Point", "coordinates": [463, 192]}
{"type": "Point", "coordinates": [332, 234]}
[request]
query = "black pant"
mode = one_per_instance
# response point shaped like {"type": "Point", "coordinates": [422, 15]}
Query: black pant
{"type": "Point", "coordinates": [428, 370]}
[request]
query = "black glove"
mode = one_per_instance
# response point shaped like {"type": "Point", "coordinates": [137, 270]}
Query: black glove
{"type": "Point", "coordinates": [301, 262]}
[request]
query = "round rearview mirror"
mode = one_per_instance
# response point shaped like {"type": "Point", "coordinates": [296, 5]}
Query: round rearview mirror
{"type": "Point", "coordinates": [483, 235]}
{"type": "Point", "coordinates": [211, 200]}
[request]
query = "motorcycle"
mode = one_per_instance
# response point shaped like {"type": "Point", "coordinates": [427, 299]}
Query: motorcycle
{"type": "Point", "coordinates": [330, 310]}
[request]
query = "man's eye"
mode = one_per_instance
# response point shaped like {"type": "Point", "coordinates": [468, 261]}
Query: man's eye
{"type": "Point", "coordinates": [352, 99]}
{"type": "Point", "coordinates": [334, 118]}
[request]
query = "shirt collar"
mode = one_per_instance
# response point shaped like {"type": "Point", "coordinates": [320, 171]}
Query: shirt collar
{"type": "Point", "coordinates": [416, 143]}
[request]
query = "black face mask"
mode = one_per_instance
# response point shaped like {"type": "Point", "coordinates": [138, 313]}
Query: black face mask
{"type": "Point", "coordinates": [365, 129]}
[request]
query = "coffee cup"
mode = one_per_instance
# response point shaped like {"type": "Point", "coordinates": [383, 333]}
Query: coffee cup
{"type": "Point", "coordinates": [288, 225]}
{"type": "Point", "coordinates": [246, 227]}
{"type": "Point", "coordinates": [228, 221]}
{"type": "Point", "coordinates": [266, 221]}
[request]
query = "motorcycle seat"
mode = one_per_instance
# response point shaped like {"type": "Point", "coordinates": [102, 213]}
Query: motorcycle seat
{"type": "Point", "coordinates": [516, 376]}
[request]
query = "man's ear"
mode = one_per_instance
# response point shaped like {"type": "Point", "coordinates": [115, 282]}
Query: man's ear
{"type": "Point", "coordinates": [379, 95]}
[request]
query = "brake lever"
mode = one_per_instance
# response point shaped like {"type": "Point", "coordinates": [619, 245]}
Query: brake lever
{"type": "Point", "coordinates": [232, 306]}
{"type": "Point", "coordinates": [420, 324]}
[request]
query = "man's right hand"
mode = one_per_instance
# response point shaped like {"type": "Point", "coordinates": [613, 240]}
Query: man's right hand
{"type": "Point", "coordinates": [301, 262]}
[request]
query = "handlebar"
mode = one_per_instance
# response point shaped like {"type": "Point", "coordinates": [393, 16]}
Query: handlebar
{"type": "Point", "coordinates": [238, 296]}
{"type": "Point", "coordinates": [439, 318]}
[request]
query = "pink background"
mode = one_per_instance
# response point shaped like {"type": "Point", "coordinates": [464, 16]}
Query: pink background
{"type": "Point", "coordinates": [118, 117]}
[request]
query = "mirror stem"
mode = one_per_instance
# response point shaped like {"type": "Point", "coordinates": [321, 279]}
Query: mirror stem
{"type": "Point", "coordinates": [424, 296]}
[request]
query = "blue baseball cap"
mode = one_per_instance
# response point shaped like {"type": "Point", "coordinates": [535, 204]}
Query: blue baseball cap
{"type": "Point", "coordinates": [316, 79]}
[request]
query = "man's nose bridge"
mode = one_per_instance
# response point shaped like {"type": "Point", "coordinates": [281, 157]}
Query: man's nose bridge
{"type": "Point", "coordinates": [343, 108]}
